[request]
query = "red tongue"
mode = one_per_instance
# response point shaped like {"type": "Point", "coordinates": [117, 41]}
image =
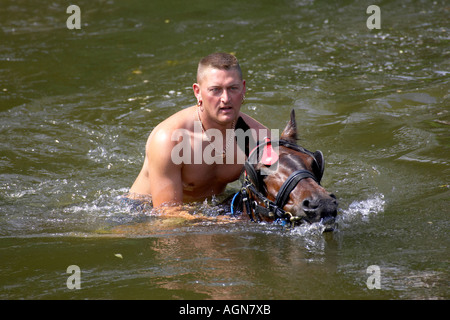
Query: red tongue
{"type": "Point", "coordinates": [269, 156]}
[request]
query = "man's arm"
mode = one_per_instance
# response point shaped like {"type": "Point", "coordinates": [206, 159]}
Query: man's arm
{"type": "Point", "coordinates": [164, 175]}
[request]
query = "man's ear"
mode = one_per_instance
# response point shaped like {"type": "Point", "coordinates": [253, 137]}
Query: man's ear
{"type": "Point", "coordinates": [244, 89]}
{"type": "Point", "coordinates": [290, 131]}
{"type": "Point", "coordinates": [196, 88]}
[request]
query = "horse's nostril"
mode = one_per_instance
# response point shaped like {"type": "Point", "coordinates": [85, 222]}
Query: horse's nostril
{"type": "Point", "coordinates": [334, 199]}
{"type": "Point", "coordinates": [306, 203]}
{"type": "Point", "coordinates": [310, 204]}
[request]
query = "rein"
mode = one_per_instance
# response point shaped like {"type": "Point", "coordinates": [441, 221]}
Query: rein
{"type": "Point", "coordinates": [251, 195]}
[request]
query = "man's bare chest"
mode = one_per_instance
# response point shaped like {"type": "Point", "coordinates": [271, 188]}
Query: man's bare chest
{"type": "Point", "coordinates": [201, 176]}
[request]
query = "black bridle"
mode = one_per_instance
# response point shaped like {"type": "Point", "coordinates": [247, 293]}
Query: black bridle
{"type": "Point", "coordinates": [252, 195]}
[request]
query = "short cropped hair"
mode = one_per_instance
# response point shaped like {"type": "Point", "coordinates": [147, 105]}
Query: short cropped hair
{"type": "Point", "coordinates": [218, 60]}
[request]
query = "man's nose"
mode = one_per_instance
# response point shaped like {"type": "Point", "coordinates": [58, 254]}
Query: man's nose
{"type": "Point", "coordinates": [225, 96]}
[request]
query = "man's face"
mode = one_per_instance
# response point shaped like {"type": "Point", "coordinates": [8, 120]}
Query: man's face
{"type": "Point", "coordinates": [221, 93]}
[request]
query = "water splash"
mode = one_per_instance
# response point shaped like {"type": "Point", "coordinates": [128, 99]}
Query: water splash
{"type": "Point", "coordinates": [307, 229]}
{"type": "Point", "coordinates": [362, 210]}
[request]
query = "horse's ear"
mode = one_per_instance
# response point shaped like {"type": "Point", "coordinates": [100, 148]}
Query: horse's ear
{"type": "Point", "coordinates": [290, 132]}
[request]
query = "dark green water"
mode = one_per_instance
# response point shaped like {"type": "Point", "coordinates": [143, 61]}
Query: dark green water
{"type": "Point", "coordinates": [76, 107]}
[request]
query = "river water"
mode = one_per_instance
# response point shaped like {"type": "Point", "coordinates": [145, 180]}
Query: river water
{"type": "Point", "coordinates": [76, 108]}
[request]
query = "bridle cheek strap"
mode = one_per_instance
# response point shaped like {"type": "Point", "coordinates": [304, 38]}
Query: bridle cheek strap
{"type": "Point", "coordinates": [290, 184]}
{"type": "Point", "coordinates": [270, 208]}
{"type": "Point", "coordinates": [252, 183]}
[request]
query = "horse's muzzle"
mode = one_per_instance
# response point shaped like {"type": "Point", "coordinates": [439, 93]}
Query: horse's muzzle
{"type": "Point", "coordinates": [322, 210]}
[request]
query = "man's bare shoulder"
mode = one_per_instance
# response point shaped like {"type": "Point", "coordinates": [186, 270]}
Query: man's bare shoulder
{"type": "Point", "coordinates": [251, 122]}
{"type": "Point", "coordinates": [180, 120]}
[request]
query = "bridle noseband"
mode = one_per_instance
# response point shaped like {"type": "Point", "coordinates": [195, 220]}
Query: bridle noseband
{"type": "Point", "coordinates": [252, 196]}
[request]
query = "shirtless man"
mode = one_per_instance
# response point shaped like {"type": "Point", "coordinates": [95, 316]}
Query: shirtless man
{"type": "Point", "coordinates": [220, 92]}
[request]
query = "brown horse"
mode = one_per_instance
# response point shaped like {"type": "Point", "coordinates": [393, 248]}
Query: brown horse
{"type": "Point", "coordinates": [291, 192]}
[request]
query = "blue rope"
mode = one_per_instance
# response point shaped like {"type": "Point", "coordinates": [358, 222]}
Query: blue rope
{"type": "Point", "coordinates": [232, 202]}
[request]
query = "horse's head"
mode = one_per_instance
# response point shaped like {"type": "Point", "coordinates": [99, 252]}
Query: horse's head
{"type": "Point", "coordinates": [293, 188]}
